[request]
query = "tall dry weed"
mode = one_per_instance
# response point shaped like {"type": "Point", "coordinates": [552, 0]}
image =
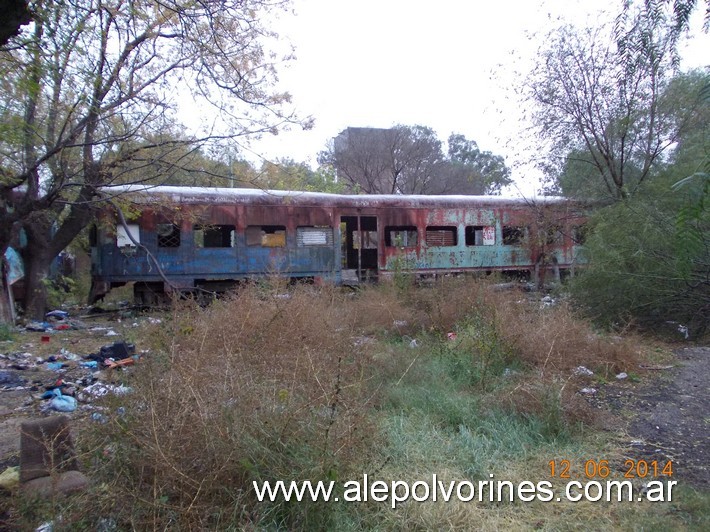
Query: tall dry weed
{"type": "Point", "coordinates": [265, 385]}
{"type": "Point", "coordinates": [553, 339]}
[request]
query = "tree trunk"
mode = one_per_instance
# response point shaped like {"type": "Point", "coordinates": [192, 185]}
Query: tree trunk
{"type": "Point", "coordinates": [36, 276]}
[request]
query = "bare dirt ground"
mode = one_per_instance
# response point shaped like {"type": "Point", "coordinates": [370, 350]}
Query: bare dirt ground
{"type": "Point", "coordinates": [666, 415]}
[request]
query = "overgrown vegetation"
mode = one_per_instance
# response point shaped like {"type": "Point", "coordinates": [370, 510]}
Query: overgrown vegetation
{"type": "Point", "coordinates": [317, 384]}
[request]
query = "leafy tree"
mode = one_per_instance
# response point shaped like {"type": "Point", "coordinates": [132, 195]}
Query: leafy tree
{"type": "Point", "coordinates": [410, 160]}
{"type": "Point", "coordinates": [650, 255]}
{"type": "Point", "coordinates": [286, 174]}
{"type": "Point", "coordinates": [89, 92]}
{"type": "Point", "coordinates": [640, 270]}
{"type": "Point", "coordinates": [482, 171]}
{"type": "Point", "coordinates": [598, 91]}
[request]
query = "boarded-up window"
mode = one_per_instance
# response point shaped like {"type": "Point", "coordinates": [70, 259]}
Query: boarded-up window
{"type": "Point", "coordinates": [369, 239]}
{"type": "Point", "coordinates": [437, 236]}
{"type": "Point", "coordinates": [513, 235]}
{"type": "Point", "coordinates": [314, 236]}
{"type": "Point", "coordinates": [214, 236]}
{"type": "Point", "coordinates": [480, 235]}
{"type": "Point", "coordinates": [402, 236]}
{"type": "Point", "coordinates": [268, 236]}
{"type": "Point", "coordinates": [122, 238]}
{"type": "Point", "coordinates": [168, 235]}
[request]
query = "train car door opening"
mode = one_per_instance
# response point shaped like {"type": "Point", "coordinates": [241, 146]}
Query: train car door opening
{"type": "Point", "coordinates": [359, 247]}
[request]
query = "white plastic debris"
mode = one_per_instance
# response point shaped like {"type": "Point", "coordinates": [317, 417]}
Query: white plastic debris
{"type": "Point", "coordinates": [582, 371]}
{"type": "Point", "coordinates": [621, 376]}
{"type": "Point", "coordinates": [547, 301]}
{"type": "Point", "coordinates": [588, 391]}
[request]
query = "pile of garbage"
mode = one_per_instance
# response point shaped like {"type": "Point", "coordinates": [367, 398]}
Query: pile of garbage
{"type": "Point", "coordinates": [78, 378]}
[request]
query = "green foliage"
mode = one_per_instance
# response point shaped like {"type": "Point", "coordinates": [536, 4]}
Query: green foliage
{"type": "Point", "coordinates": [649, 260]}
{"type": "Point", "coordinates": [650, 255]}
{"type": "Point", "coordinates": [5, 332]}
{"type": "Point", "coordinates": [482, 167]}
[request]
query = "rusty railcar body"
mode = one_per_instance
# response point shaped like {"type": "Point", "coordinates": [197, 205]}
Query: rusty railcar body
{"type": "Point", "coordinates": [195, 239]}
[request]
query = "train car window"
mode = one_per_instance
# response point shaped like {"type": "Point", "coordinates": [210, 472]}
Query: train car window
{"type": "Point", "coordinates": [214, 236]}
{"type": "Point", "coordinates": [480, 235]}
{"type": "Point", "coordinates": [267, 236]}
{"type": "Point", "coordinates": [579, 234]}
{"type": "Point", "coordinates": [513, 235]}
{"type": "Point", "coordinates": [437, 236]}
{"type": "Point", "coordinates": [168, 235]}
{"type": "Point", "coordinates": [401, 236]}
{"type": "Point", "coordinates": [314, 236]}
{"type": "Point", "coordinates": [122, 238]}
{"type": "Point", "coordinates": [369, 240]}
{"type": "Point", "coordinates": [554, 235]}
{"type": "Point", "coordinates": [93, 236]}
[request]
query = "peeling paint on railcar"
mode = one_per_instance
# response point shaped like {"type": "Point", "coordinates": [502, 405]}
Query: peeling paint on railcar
{"type": "Point", "coordinates": [273, 209]}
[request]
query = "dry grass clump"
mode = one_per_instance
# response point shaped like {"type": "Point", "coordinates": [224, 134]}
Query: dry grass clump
{"type": "Point", "coordinates": [554, 340]}
{"type": "Point", "coordinates": [261, 386]}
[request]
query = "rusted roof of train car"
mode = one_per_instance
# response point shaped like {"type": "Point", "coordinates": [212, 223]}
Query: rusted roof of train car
{"type": "Point", "coordinates": [203, 195]}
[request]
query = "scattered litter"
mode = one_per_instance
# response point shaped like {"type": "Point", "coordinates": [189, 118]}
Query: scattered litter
{"type": "Point", "coordinates": [621, 376]}
{"type": "Point", "coordinates": [99, 418]}
{"type": "Point", "coordinates": [451, 336]}
{"type": "Point", "coordinates": [68, 355]}
{"type": "Point", "coordinates": [57, 314]}
{"type": "Point", "coordinates": [399, 323]}
{"type": "Point", "coordinates": [111, 332]}
{"type": "Point", "coordinates": [55, 366]}
{"type": "Point", "coordinates": [99, 389]}
{"type": "Point", "coordinates": [62, 403]}
{"type": "Point", "coordinates": [654, 368]}
{"type": "Point", "coordinates": [588, 391]}
{"type": "Point", "coordinates": [547, 301]}
{"type": "Point", "coordinates": [38, 326]}
{"type": "Point", "coordinates": [360, 341]}
{"type": "Point", "coordinates": [682, 329]}
{"type": "Point", "coordinates": [582, 371]}
{"type": "Point", "coordinates": [8, 379]}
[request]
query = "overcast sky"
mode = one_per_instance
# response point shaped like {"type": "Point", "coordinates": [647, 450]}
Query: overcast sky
{"type": "Point", "coordinates": [446, 64]}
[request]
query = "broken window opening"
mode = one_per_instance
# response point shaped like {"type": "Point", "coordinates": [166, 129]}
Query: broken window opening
{"type": "Point", "coordinates": [168, 235]}
{"type": "Point", "coordinates": [480, 235]}
{"type": "Point", "coordinates": [122, 238]}
{"type": "Point", "coordinates": [441, 236]}
{"type": "Point", "coordinates": [579, 234]}
{"type": "Point", "coordinates": [513, 235]}
{"type": "Point", "coordinates": [401, 236]}
{"type": "Point", "coordinates": [267, 236]}
{"type": "Point", "coordinates": [314, 236]}
{"type": "Point", "coordinates": [369, 239]}
{"type": "Point", "coordinates": [214, 236]}
{"type": "Point", "coordinates": [553, 235]}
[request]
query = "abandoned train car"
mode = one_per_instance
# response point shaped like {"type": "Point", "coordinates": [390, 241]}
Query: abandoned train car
{"type": "Point", "coordinates": [195, 239]}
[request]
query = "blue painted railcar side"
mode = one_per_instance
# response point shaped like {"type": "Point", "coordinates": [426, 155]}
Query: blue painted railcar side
{"type": "Point", "coordinates": [192, 238]}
